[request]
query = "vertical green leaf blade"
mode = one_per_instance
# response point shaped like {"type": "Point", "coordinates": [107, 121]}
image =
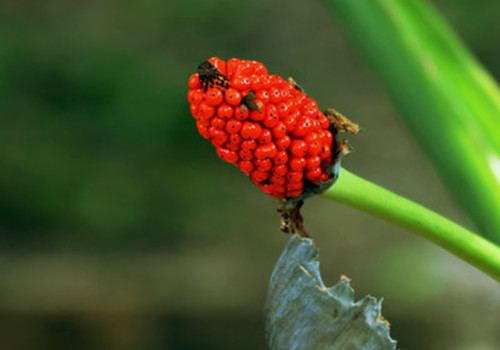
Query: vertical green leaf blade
{"type": "Point", "coordinates": [447, 99]}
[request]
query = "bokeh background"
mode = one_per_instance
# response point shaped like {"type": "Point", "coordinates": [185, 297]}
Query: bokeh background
{"type": "Point", "coordinates": [121, 229]}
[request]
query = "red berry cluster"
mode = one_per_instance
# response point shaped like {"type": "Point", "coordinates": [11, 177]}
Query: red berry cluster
{"type": "Point", "coordinates": [263, 124]}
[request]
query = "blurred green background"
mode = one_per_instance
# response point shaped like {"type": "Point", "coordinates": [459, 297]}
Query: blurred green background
{"type": "Point", "coordinates": [121, 229]}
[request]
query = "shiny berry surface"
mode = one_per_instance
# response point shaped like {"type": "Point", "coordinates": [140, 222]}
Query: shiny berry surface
{"type": "Point", "coordinates": [266, 126]}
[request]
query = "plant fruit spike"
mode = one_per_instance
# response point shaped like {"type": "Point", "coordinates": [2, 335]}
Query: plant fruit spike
{"type": "Point", "coordinates": [267, 127]}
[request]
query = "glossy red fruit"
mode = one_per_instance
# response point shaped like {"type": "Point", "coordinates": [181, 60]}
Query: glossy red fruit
{"type": "Point", "coordinates": [297, 163]}
{"type": "Point", "coordinates": [298, 148]}
{"type": "Point", "coordinates": [225, 111]}
{"type": "Point", "coordinates": [279, 130]}
{"type": "Point", "coordinates": [194, 81]}
{"type": "Point", "coordinates": [249, 145]}
{"type": "Point", "coordinates": [214, 96]}
{"type": "Point", "coordinates": [233, 126]}
{"type": "Point", "coordinates": [203, 130]}
{"type": "Point", "coordinates": [232, 97]}
{"type": "Point", "coordinates": [266, 151]}
{"type": "Point", "coordinates": [279, 170]}
{"type": "Point", "coordinates": [241, 112]}
{"type": "Point", "coordinates": [246, 166]}
{"type": "Point", "coordinates": [263, 164]}
{"type": "Point", "coordinates": [250, 130]}
{"type": "Point", "coordinates": [294, 176]}
{"type": "Point", "coordinates": [263, 124]}
{"type": "Point", "coordinates": [218, 123]}
{"type": "Point", "coordinates": [235, 139]}
{"type": "Point", "coordinates": [195, 96]}
{"type": "Point", "coordinates": [281, 158]}
{"type": "Point", "coordinates": [283, 143]}
{"type": "Point", "coordinates": [313, 162]}
{"type": "Point", "coordinates": [205, 110]}
{"type": "Point", "coordinates": [246, 154]}
{"type": "Point", "coordinates": [259, 176]}
{"type": "Point", "coordinates": [227, 155]}
{"type": "Point", "coordinates": [265, 137]}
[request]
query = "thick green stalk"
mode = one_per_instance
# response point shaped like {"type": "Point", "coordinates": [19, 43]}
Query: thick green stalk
{"type": "Point", "coordinates": [373, 199]}
{"type": "Point", "coordinates": [447, 99]}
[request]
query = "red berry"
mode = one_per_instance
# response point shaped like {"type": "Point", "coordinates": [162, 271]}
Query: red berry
{"type": "Point", "coordinates": [284, 109]}
{"type": "Point", "coordinates": [205, 111]}
{"type": "Point", "coordinates": [194, 81]}
{"type": "Point", "coordinates": [260, 69]}
{"type": "Point", "coordinates": [204, 122]}
{"type": "Point", "coordinates": [283, 143]}
{"type": "Point", "coordinates": [326, 152]}
{"type": "Point", "coordinates": [217, 136]}
{"type": "Point", "coordinates": [298, 148]}
{"type": "Point", "coordinates": [293, 186]}
{"type": "Point", "coordinates": [326, 137]}
{"type": "Point", "coordinates": [194, 110]}
{"type": "Point", "coordinates": [246, 166]}
{"type": "Point", "coordinates": [245, 68]}
{"type": "Point", "coordinates": [241, 112]}
{"type": "Point", "coordinates": [214, 96]}
{"type": "Point", "coordinates": [263, 164]}
{"type": "Point", "coordinates": [231, 66]}
{"type": "Point", "coordinates": [323, 121]}
{"type": "Point", "coordinates": [278, 180]}
{"type": "Point", "coordinates": [202, 129]}
{"type": "Point", "coordinates": [262, 95]}
{"type": "Point", "coordinates": [225, 111]}
{"type": "Point", "coordinates": [195, 96]}
{"type": "Point", "coordinates": [240, 83]}
{"type": "Point", "coordinates": [232, 97]}
{"type": "Point", "coordinates": [290, 123]}
{"type": "Point", "coordinates": [304, 127]}
{"type": "Point", "coordinates": [324, 177]}
{"type": "Point", "coordinates": [313, 174]}
{"type": "Point", "coordinates": [310, 109]}
{"type": "Point", "coordinates": [249, 145]}
{"type": "Point", "coordinates": [266, 151]}
{"type": "Point", "coordinates": [232, 147]}
{"type": "Point", "coordinates": [275, 95]}
{"type": "Point", "coordinates": [313, 162]}
{"type": "Point", "coordinates": [313, 143]}
{"type": "Point", "coordinates": [233, 126]}
{"type": "Point", "coordinates": [250, 130]}
{"type": "Point", "coordinates": [246, 154]}
{"type": "Point", "coordinates": [259, 176]}
{"type": "Point", "coordinates": [235, 139]}
{"type": "Point", "coordinates": [271, 118]}
{"type": "Point", "coordinates": [294, 176]}
{"type": "Point", "coordinates": [279, 170]}
{"type": "Point", "coordinates": [280, 158]}
{"type": "Point", "coordinates": [218, 123]}
{"type": "Point", "coordinates": [293, 194]}
{"type": "Point", "coordinates": [297, 163]}
{"type": "Point", "coordinates": [227, 155]}
{"type": "Point", "coordinates": [258, 115]}
{"type": "Point", "coordinates": [279, 130]}
{"type": "Point", "coordinates": [256, 82]}
{"type": "Point", "coordinates": [265, 137]}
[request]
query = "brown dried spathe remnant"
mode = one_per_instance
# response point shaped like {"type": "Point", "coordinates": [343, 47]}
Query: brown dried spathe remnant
{"type": "Point", "coordinates": [340, 122]}
{"type": "Point", "coordinates": [291, 219]}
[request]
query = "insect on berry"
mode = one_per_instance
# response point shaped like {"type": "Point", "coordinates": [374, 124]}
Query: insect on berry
{"type": "Point", "coordinates": [265, 125]}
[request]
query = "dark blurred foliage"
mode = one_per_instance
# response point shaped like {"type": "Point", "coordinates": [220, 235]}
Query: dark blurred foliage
{"type": "Point", "coordinates": [121, 229]}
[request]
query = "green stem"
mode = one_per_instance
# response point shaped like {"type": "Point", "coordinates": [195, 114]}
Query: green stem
{"type": "Point", "coordinates": [361, 194]}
